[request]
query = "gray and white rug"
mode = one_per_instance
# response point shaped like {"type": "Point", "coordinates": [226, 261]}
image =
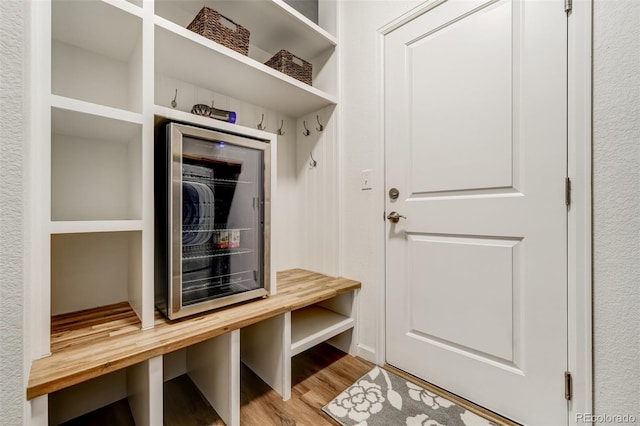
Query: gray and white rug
{"type": "Point", "coordinates": [380, 398]}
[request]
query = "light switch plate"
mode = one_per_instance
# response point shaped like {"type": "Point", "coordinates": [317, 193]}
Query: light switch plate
{"type": "Point", "coordinates": [366, 180]}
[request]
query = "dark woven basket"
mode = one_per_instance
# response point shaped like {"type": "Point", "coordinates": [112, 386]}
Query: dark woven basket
{"type": "Point", "coordinates": [291, 65]}
{"type": "Point", "coordinates": [210, 24]}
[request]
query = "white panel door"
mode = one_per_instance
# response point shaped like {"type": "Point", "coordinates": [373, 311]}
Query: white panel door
{"type": "Point", "coordinates": [475, 143]}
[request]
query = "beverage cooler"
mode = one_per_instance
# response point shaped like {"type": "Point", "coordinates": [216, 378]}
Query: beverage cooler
{"type": "Point", "coordinates": [213, 193]}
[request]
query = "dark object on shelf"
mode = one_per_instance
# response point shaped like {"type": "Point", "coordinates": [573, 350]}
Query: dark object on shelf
{"type": "Point", "coordinates": [211, 112]}
{"type": "Point", "coordinates": [214, 26]}
{"type": "Point", "coordinates": [222, 114]}
{"type": "Point", "coordinates": [201, 109]}
{"type": "Point", "coordinates": [291, 65]}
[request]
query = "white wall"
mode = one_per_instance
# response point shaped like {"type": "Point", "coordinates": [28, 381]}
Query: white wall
{"type": "Point", "coordinates": [616, 191]}
{"type": "Point", "coordinates": [616, 210]}
{"type": "Point", "coordinates": [362, 148]}
{"type": "Point", "coordinates": [12, 152]}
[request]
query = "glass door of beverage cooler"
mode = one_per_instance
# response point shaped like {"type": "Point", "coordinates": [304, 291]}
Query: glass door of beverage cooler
{"type": "Point", "coordinates": [219, 188]}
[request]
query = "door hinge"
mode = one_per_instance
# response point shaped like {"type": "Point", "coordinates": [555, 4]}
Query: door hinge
{"type": "Point", "coordinates": [567, 191]}
{"type": "Point", "coordinates": [568, 6]}
{"type": "Point", "coordinates": [568, 386]}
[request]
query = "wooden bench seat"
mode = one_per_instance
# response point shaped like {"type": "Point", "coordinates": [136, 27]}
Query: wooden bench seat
{"type": "Point", "coordinates": [92, 343]}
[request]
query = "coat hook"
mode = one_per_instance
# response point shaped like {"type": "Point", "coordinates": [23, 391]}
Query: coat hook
{"type": "Point", "coordinates": [173, 102]}
{"type": "Point", "coordinates": [280, 131]}
{"type": "Point", "coordinates": [321, 128]}
{"type": "Point", "coordinates": [312, 163]}
{"type": "Point", "coordinates": [260, 126]}
{"type": "Point", "coordinates": [306, 131]}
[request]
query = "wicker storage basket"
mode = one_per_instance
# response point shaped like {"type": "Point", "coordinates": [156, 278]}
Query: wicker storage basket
{"type": "Point", "coordinates": [291, 65]}
{"type": "Point", "coordinates": [210, 24]}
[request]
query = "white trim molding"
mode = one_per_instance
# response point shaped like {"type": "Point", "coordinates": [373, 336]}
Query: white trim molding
{"type": "Point", "coordinates": [579, 134]}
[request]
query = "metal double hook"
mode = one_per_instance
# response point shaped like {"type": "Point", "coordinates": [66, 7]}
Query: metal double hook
{"type": "Point", "coordinates": [260, 125]}
{"type": "Point", "coordinates": [319, 127]}
{"type": "Point", "coordinates": [280, 131]}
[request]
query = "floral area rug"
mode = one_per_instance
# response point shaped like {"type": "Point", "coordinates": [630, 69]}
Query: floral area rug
{"type": "Point", "coordinates": [380, 398]}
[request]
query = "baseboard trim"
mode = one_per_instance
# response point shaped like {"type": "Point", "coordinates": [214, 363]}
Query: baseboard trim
{"type": "Point", "coordinates": [366, 352]}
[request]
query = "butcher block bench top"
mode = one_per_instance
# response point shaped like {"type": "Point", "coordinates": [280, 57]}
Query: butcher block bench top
{"type": "Point", "coordinates": [94, 342]}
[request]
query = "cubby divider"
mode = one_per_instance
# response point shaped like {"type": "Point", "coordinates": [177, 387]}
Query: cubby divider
{"type": "Point", "coordinates": [265, 349]}
{"type": "Point", "coordinates": [214, 367]}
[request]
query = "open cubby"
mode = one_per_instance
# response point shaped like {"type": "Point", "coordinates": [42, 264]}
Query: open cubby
{"type": "Point", "coordinates": [185, 403]}
{"type": "Point", "coordinates": [95, 167]}
{"type": "Point", "coordinates": [120, 397]}
{"type": "Point", "coordinates": [94, 270]}
{"type": "Point", "coordinates": [268, 346]}
{"type": "Point", "coordinates": [96, 54]}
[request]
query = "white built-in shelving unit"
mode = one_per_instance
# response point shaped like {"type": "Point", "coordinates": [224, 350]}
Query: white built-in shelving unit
{"type": "Point", "coordinates": [105, 71]}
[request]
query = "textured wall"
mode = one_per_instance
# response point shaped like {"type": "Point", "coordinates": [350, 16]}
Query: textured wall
{"type": "Point", "coordinates": [12, 148]}
{"type": "Point", "coordinates": [616, 212]}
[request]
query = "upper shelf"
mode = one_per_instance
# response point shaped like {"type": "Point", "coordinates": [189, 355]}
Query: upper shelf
{"type": "Point", "coordinates": [186, 117]}
{"type": "Point", "coordinates": [273, 24]}
{"type": "Point", "coordinates": [91, 121]}
{"type": "Point", "coordinates": [189, 57]}
{"type": "Point", "coordinates": [110, 29]}
{"type": "Point", "coordinates": [96, 52]}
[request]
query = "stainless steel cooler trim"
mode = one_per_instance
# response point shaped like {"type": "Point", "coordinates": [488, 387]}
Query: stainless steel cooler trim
{"type": "Point", "coordinates": [174, 304]}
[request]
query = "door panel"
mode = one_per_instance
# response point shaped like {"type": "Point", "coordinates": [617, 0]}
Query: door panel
{"type": "Point", "coordinates": [475, 142]}
{"type": "Point", "coordinates": [479, 293]}
{"type": "Point", "coordinates": [472, 85]}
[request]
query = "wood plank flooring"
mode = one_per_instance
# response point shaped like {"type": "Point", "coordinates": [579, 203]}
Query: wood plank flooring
{"type": "Point", "coordinates": [317, 375]}
{"type": "Point", "coordinates": [114, 414]}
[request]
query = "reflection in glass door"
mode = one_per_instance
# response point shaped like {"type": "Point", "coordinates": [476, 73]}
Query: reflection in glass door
{"type": "Point", "coordinates": [221, 219]}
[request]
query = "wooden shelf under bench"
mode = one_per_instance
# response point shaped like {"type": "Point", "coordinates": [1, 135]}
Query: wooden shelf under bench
{"type": "Point", "coordinates": [92, 343]}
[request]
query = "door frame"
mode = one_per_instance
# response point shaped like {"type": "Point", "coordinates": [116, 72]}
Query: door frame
{"type": "Point", "coordinates": [579, 216]}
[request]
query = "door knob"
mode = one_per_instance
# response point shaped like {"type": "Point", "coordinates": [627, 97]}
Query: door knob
{"type": "Point", "coordinates": [394, 217]}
